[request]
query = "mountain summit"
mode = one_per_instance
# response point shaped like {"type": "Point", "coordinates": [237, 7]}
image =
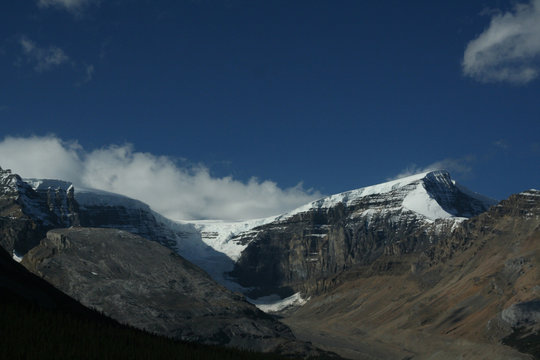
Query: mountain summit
{"type": "Point", "coordinates": [432, 194]}
{"type": "Point", "coordinates": [298, 250]}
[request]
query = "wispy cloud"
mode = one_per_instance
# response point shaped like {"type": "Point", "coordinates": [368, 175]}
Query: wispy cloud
{"type": "Point", "coordinates": [459, 167]}
{"type": "Point", "coordinates": [73, 6]}
{"type": "Point", "coordinates": [47, 58]}
{"type": "Point", "coordinates": [509, 49]}
{"type": "Point", "coordinates": [43, 58]}
{"type": "Point", "coordinates": [178, 192]}
{"type": "Point", "coordinates": [89, 73]}
{"type": "Point", "coordinates": [502, 144]}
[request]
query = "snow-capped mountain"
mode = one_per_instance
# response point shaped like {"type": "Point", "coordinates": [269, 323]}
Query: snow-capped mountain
{"type": "Point", "coordinates": [281, 253]}
{"type": "Point", "coordinates": [300, 250]}
{"type": "Point", "coordinates": [428, 196]}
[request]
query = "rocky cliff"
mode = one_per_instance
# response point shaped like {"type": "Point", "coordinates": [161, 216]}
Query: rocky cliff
{"type": "Point", "coordinates": [97, 208]}
{"type": "Point", "coordinates": [26, 214]}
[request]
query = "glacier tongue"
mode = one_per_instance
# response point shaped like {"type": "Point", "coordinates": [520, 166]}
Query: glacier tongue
{"type": "Point", "coordinates": [220, 235]}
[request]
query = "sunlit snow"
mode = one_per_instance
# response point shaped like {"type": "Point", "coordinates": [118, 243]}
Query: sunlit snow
{"type": "Point", "coordinates": [16, 257]}
{"type": "Point", "coordinates": [274, 303]}
{"type": "Point", "coordinates": [421, 203]}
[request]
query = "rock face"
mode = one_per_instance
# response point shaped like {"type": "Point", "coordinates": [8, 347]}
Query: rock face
{"type": "Point", "coordinates": [26, 214]}
{"type": "Point", "coordinates": [302, 251]}
{"type": "Point", "coordinates": [141, 283]}
{"type": "Point", "coordinates": [460, 298]}
{"type": "Point", "coordinates": [96, 208]}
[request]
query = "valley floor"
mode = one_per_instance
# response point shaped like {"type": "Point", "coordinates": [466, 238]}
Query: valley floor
{"type": "Point", "coordinates": [355, 344]}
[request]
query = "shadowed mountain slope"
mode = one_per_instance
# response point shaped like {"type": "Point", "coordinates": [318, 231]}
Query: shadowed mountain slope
{"type": "Point", "coordinates": [140, 282]}
{"type": "Point", "coordinates": [39, 321]}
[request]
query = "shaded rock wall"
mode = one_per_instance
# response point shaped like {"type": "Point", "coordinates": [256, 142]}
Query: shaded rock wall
{"type": "Point", "coordinates": [141, 283]}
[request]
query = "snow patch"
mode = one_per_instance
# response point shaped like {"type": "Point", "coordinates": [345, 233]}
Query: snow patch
{"type": "Point", "coordinates": [531, 192]}
{"type": "Point", "coordinates": [274, 303]}
{"type": "Point", "coordinates": [422, 203]}
{"type": "Point", "coordinates": [44, 184]}
{"type": "Point", "coordinates": [18, 258]}
{"type": "Point", "coordinates": [92, 197]}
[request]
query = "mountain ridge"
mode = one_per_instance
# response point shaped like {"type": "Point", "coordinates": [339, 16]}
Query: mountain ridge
{"type": "Point", "coordinates": [411, 258]}
{"type": "Point", "coordinates": [431, 198]}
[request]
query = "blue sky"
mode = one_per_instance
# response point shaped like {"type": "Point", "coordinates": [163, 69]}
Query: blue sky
{"type": "Point", "coordinates": [288, 99]}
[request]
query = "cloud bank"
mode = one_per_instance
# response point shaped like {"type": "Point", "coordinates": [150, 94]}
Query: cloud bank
{"type": "Point", "coordinates": [177, 192]}
{"type": "Point", "coordinates": [509, 49]}
{"type": "Point", "coordinates": [43, 58]}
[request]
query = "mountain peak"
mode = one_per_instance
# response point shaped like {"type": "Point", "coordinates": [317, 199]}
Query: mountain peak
{"type": "Point", "coordinates": [432, 194]}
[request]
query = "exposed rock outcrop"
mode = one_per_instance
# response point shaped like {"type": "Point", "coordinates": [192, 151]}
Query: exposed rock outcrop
{"type": "Point", "coordinates": [27, 214]}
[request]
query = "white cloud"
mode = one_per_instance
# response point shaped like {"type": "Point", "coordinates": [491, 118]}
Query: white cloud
{"type": "Point", "coordinates": [71, 5]}
{"type": "Point", "coordinates": [460, 167]}
{"type": "Point", "coordinates": [176, 192]}
{"type": "Point", "coordinates": [36, 156]}
{"type": "Point", "coordinates": [43, 58]}
{"type": "Point", "coordinates": [509, 49]}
